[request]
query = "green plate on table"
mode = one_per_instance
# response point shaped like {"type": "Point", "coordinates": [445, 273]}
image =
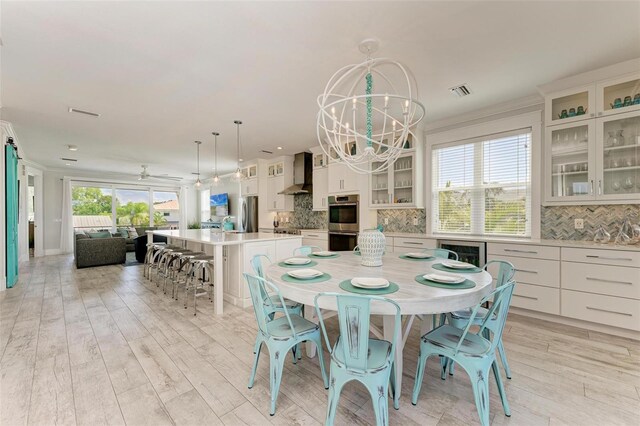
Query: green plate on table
{"type": "Point", "coordinates": [416, 259]}
{"type": "Point", "coordinates": [315, 256]}
{"type": "Point", "coordinates": [306, 265]}
{"type": "Point", "coordinates": [322, 278]}
{"type": "Point", "coordinates": [347, 286]}
{"type": "Point", "coordinates": [460, 286]}
{"type": "Point", "coordinates": [441, 267]}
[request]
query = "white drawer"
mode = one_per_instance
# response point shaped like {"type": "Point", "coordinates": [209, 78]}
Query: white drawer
{"type": "Point", "coordinates": [316, 235]}
{"type": "Point", "coordinates": [536, 298]}
{"type": "Point", "coordinates": [601, 279]}
{"type": "Point", "coordinates": [615, 311]}
{"type": "Point", "coordinates": [413, 243]}
{"type": "Point", "coordinates": [524, 250]}
{"type": "Point", "coordinates": [603, 257]}
{"type": "Point", "coordinates": [534, 271]}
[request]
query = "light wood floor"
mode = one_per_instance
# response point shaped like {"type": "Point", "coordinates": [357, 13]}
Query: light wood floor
{"type": "Point", "coordinates": [102, 346]}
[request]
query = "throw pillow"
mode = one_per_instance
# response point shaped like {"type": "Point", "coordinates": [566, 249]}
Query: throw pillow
{"type": "Point", "coordinates": [81, 236]}
{"type": "Point", "coordinates": [99, 234]}
{"type": "Point", "coordinates": [124, 232]}
{"type": "Point", "coordinates": [133, 233]}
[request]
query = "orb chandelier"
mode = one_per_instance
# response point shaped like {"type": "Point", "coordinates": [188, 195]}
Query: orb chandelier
{"type": "Point", "coordinates": [364, 129]}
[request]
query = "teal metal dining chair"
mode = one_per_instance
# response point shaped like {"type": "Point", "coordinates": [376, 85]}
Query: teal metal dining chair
{"type": "Point", "coordinates": [279, 335]}
{"type": "Point", "coordinates": [305, 250]}
{"type": "Point", "coordinates": [356, 356]}
{"type": "Point", "coordinates": [459, 319]}
{"type": "Point", "coordinates": [441, 253]}
{"type": "Point", "coordinates": [258, 263]}
{"type": "Point", "coordinates": [474, 352]}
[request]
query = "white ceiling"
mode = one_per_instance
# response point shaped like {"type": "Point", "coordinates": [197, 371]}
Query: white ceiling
{"type": "Point", "coordinates": [164, 74]}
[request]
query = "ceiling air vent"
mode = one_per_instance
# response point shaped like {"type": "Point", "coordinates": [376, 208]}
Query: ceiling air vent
{"type": "Point", "coordinates": [68, 159]}
{"type": "Point", "coordinates": [461, 90]}
{"type": "Point", "coordinates": [266, 152]}
{"type": "Point", "coordinates": [79, 111]}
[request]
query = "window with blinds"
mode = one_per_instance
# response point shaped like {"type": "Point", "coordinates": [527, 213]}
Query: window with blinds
{"type": "Point", "coordinates": [482, 186]}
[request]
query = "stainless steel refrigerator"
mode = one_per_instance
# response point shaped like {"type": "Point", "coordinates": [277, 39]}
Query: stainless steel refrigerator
{"type": "Point", "coordinates": [246, 213]}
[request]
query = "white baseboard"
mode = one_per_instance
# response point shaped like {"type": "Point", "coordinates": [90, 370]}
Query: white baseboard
{"type": "Point", "coordinates": [53, 252]}
{"type": "Point", "coordinates": [236, 301]}
{"type": "Point", "coordinates": [616, 331]}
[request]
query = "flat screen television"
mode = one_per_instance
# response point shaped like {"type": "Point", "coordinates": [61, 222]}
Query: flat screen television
{"type": "Point", "coordinates": [219, 204]}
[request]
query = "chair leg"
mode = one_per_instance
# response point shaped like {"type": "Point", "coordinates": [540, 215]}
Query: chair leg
{"type": "Point", "coordinates": [276, 366]}
{"type": "Point", "coordinates": [334, 396]}
{"type": "Point", "coordinates": [395, 392]}
{"type": "Point", "coordinates": [422, 365]}
{"type": "Point", "coordinates": [318, 343]}
{"type": "Point", "coordinates": [294, 353]}
{"type": "Point", "coordinates": [480, 386]}
{"type": "Point", "coordinates": [503, 357]}
{"type": "Point", "coordinates": [451, 366]}
{"type": "Point", "coordinates": [255, 362]}
{"type": "Point", "coordinates": [379, 392]}
{"type": "Point", "coordinates": [501, 391]}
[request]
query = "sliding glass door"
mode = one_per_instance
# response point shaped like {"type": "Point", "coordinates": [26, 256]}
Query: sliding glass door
{"type": "Point", "coordinates": [132, 208]}
{"type": "Point", "coordinates": [92, 208]}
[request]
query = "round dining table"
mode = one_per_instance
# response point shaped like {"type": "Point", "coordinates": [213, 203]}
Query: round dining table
{"type": "Point", "coordinates": [415, 299]}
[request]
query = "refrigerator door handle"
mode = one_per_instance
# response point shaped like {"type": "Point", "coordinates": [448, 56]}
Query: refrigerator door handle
{"type": "Point", "coordinates": [244, 215]}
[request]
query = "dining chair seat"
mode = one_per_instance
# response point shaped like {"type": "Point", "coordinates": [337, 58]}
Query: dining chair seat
{"type": "Point", "coordinates": [378, 355]}
{"type": "Point", "coordinates": [448, 336]}
{"type": "Point", "coordinates": [279, 327]}
{"type": "Point", "coordinates": [465, 314]}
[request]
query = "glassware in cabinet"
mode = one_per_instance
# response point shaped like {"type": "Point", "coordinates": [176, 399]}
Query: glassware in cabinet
{"type": "Point", "coordinates": [619, 95]}
{"type": "Point", "coordinates": [570, 161]}
{"type": "Point", "coordinates": [570, 105]}
{"type": "Point", "coordinates": [619, 155]}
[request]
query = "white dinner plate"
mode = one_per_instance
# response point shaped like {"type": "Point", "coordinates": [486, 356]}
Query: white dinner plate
{"type": "Point", "coordinates": [418, 255]}
{"type": "Point", "coordinates": [305, 274]}
{"type": "Point", "coordinates": [444, 279]}
{"type": "Point", "coordinates": [297, 261]}
{"type": "Point", "coordinates": [455, 264]}
{"type": "Point", "coordinates": [365, 282]}
{"type": "Point", "coordinates": [323, 253]}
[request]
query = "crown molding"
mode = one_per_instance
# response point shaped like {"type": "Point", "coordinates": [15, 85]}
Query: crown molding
{"type": "Point", "coordinates": [511, 107]}
{"type": "Point", "coordinates": [7, 128]}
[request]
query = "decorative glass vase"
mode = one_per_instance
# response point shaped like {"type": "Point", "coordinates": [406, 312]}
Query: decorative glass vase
{"type": "Point", "coordinates": [371, 243]}
{"type": "Point", "coordinates": [601, 236]}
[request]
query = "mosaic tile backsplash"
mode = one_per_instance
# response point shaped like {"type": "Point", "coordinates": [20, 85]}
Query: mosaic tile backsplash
{"type": "Point", "coordinates": [303, 216]}
{"type": "Point", "coordinates": [401, 220]}
{"type": "Point", "coordinates": [557, 222]}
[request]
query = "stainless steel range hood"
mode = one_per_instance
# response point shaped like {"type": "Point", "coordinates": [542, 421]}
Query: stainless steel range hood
{"type": "Point", "coordinates": [302, 175]}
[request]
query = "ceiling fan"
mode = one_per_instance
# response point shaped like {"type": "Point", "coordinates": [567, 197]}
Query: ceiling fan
{"type": "Point", "coordinates": [144, 175]}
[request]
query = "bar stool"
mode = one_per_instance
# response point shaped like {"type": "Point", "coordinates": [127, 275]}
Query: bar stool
{"type": "Point", "coordinates": [200, 277]}
{"type": "Point", "coordinates": [179, 261]}
{"type": "Point", "coordinates": [164, 256]}
{"type": "Point", "coordinates": [149, 257]}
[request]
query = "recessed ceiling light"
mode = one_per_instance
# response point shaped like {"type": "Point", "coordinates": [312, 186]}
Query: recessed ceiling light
{"type": "Point", "coordinates": [80, 111]}
{"type": "Point", "coordinates": [241, 159]}
{"type": "Point", "coordinates": [72, 147]}
{"type": "Point", "coordinates": [67, 164]}
{"type": "Point", "coordinates": [279, 147]}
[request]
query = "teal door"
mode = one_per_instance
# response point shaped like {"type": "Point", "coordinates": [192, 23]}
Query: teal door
{"type": "Point", "coordinates": [11, 214]}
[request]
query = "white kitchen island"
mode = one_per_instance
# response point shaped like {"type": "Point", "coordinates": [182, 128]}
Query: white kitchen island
{"type": "Point", "coordinates": [232, 253]}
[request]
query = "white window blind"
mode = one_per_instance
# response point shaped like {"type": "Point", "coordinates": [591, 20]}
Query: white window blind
{"type": "Point", "coordinates": [482, 186]}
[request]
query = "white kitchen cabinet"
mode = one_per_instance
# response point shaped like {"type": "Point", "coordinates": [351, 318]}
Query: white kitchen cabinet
{"type": "Point", "coordinates": [280, 176]}
{"type": "Point", "coordinates": [342, 179]}
{"type": "Point", "coordinates": [320, 188]}
{"type": "Point", "coordinates": [278, 202]}
{"type": "Point", "coordinates": [250, 186]}
{"type": "Point", "coordinates": [318, 238]}
{"type": "Point", "coordinates": [594, 157]}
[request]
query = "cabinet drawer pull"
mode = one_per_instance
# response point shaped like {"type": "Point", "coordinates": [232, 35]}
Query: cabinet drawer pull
{"type": "Point", "coordinates": [413, 242]}
{"type": "Point", "coordinates": [609, 281]}
{"type": "Point", "coordinates": [521, 251]}
{"type": "Point", "coordinates": [591, 308]}
{"type": "Point", "coordinates": [593, 256]}
{"type": "Point", "coordinates": [312, 235]}
{"type": "Point", "coordinates": [526, 271]}
{"type": "Point", "coordinates": [526, 297]}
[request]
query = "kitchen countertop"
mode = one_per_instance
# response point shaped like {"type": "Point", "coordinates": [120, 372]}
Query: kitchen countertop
{"type": "Point", "coordinates": [223, 238]}
{"type": "Point", "coordinates": [540, 242]}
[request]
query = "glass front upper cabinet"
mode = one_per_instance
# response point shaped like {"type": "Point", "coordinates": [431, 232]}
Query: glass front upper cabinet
{"type": "Point", "coordinates": [619, 156]}
{"type": "Point", "coordinates": [619, 95]}
{"type": "Point", "coordinates": [570, 161]}
{"type": "Point", "coordinates": [568, 106]}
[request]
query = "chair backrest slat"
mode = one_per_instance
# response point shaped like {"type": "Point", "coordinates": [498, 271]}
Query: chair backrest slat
{"type": "Point", "coordinates": [257, 287]}
{"type": "Point", "coordinates": [506, 271]}
{"type": "Point", "coordinates": [442, 253]}
{"type": "Point", "coordinates": [305, 250]}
